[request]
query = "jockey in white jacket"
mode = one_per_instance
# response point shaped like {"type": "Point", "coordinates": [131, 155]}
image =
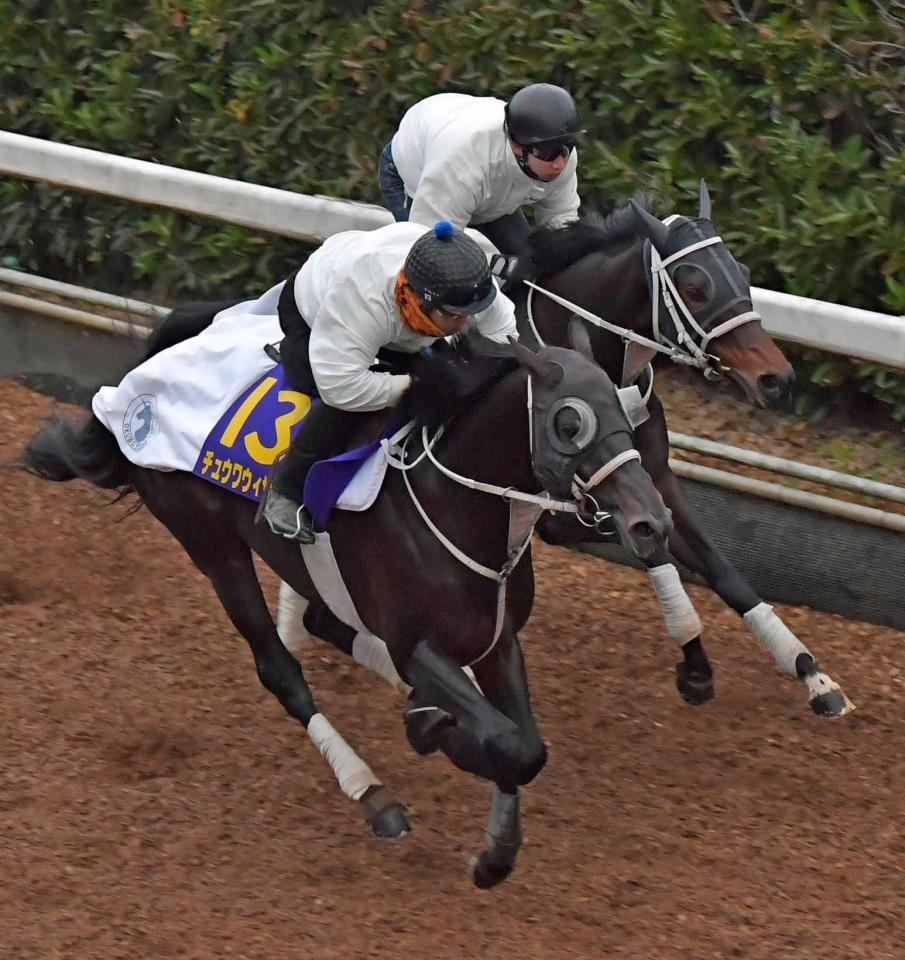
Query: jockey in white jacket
{"type": "Point", "coordinates": [476, 161]}
{"type": "Point", "coordinates": [366, 297]}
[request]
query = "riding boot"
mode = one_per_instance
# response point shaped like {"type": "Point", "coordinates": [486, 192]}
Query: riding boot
{"type": "Point", "coordinates": [511, 270]}
{"type": "Point", "coordinates": [325, 432]}
{"type": "Point", "coordinates": [282, 510]}
{"type": "Point", "coordinates": [524, 268]}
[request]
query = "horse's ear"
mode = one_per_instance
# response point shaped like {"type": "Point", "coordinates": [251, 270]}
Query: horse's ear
{"type": "Point", "coordinates": [546, 371]}
{"type": "Point", "coordinates": [578, 337]}
{"type": "Point", "coordinates": [656, 230]}
{"type": "Point", "coordinates": [527, 357]}
{"type": "Point", "coordinates": [704, 202]}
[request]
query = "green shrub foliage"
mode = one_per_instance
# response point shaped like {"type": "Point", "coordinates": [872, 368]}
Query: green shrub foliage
{"type": "Point", "coordinates": [793, 111]}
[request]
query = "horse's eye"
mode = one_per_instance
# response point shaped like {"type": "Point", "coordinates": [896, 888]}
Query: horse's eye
{"type": "Point", "coordinates": [696, 293]}
{"type": "Point", "coordinates": [568, 423]}
{"type": "Point", "coordinates": [575, 423]}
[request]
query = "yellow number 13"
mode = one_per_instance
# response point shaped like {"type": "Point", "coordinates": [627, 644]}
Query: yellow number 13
{"type": "Point", "coordinates": [283, 424]}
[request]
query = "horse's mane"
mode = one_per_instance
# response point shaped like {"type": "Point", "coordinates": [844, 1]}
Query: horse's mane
{"type": "Point", "coordinates": [451, 376]}
{"type": "Point", "coordinates": [554, 249]}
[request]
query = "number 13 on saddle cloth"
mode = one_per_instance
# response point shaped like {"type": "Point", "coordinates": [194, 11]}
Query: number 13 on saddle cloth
{"type": "Point", "coordinates": [217, 406]}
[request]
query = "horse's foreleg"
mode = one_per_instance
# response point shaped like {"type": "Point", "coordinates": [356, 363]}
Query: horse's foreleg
{"type": "Point", "coordinates": [504, 680]}
{"type": "Point", "coordinates": [690, 544]}
{"type": "Point", "coordinates": [494, 738]}
{"type": "Point", "coordinates": [694, 675]}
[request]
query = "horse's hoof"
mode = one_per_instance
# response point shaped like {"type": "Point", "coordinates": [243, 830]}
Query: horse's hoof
{"type": "Point", "coordinates": [832, 705]}
{"type": "Point", "coordinates": [391, 823]}
{"type": "Point", "coordinates": [425, 728]}
{"type": "Point", "coordinates": [387, 818]}
{"type": "Point", "coordinates": [486, 872]}
{"type": "Point", "coordinates": [694, 688]}
{"type": "Point", "coordinates": [824, 694]}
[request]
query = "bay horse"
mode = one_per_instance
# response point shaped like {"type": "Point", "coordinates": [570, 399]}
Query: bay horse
{"type": "Point", "coordinates": [439, 566]}
{"type": "Point", "coordinates": [675, 290]}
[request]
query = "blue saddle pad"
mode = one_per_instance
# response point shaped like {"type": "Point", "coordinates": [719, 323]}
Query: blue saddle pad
{"type": "Point", "coordinates": [256, 428]}
{"type": "Point", "coordinates": [328, 479]}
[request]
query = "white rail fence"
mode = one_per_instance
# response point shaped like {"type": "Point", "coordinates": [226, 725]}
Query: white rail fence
{"type": "Point", "coordinates": [862, 334]}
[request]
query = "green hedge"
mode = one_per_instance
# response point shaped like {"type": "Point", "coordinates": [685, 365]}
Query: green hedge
{"type": "Point", "coordinates": [793, 111]}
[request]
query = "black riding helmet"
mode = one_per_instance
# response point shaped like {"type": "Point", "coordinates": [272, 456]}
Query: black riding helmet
{"type": "Point", "coordinates": [449, 270]}
{"type": "Point", "coordinates": [542, 112]}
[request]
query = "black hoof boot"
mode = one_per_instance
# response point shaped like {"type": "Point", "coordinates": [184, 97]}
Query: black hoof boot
{"type": "Point", "coordinates": [424, 728]}
{"type": "Point", "coordinates": [694, 686]}
{"type": "Point", "coordinates": [386, 816]}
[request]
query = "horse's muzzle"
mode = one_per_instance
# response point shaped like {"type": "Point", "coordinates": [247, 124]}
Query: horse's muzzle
{"type": "Point", "coordinates": [775, 387]}
{"type": "Point", "coordinates": [642, 518]}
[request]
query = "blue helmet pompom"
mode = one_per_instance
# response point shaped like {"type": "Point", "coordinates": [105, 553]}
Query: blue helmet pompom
{"type": "Point", "coordinates": [443, 229]}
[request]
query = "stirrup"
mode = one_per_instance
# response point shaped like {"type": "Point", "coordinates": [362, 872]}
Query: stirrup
{"type": "Point", "coordinates": [298, 528]}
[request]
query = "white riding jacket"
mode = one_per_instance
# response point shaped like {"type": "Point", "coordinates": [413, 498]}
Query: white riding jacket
{"type": "Point", "coordinates": [346, 293]}
{"type": "Point", "coordinates": [457, 164]}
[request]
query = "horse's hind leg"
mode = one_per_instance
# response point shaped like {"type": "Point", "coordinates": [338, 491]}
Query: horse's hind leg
{"type": "Point", "coordinates": [240, 593]}
{"type": "Point", "coordinates": [227, 562]}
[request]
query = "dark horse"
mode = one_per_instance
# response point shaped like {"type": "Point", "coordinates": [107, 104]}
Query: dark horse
{"type": "Point", "coordinates": [439, 566]}
{"type": "Point", "coordinates": [673, 288]}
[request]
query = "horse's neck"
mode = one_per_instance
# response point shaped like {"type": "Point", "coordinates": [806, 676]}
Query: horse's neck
{"type": "Point", "coordinates": [614, 288]}
{"type": "Point", "coordinates": [490, 442]}
{"type": "Point", "coordinates": [618, 286]}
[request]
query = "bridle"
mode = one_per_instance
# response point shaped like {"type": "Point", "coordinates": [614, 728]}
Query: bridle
{"type": "Point", "coordinates": [691, 339]}
{"type": "Point", "coordinates": [525, 509]}
{"type": "Point", "coordinates": [694, 341]}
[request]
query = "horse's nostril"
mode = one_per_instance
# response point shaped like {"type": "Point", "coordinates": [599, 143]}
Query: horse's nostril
{"type": "Point", "coordinates": [772, 386]}
{"type": "Point", "coordinates": [643, 530]}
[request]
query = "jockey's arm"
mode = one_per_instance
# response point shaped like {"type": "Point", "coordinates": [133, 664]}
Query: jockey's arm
{"type": "Point", "coordinates": [443, 193]}
{"type": "Point", "coordinates": [348, 331]}
{"type": "Point", "coordinates": [497, 322]}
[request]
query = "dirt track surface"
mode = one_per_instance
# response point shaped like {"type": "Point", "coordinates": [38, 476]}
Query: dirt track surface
{"type": "Point", "coordinates": [155, 802]}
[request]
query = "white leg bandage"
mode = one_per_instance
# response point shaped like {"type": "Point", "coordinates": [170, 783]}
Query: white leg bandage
{"type": "Point", "coordinates": [291, 608]}
{"type": "Point", "coordinates": [353, 774]}
{"type": "Point", "coordinates": [775, 636]}
{"type": "Point", "coordinates": [371, 652]}
{"type": "Point", "coordinates": [682, 620]}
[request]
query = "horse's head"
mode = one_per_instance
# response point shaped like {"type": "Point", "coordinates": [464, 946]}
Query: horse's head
{"type": "Point", "coordinates": [581, 442]}
{"type": "Point", "coordinates": [702, 304]}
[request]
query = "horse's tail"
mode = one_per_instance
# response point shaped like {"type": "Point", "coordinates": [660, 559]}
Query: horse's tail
{"type": "Point", "coordinates": [184, 321]}
{"type": "Point", "coordinates": [69, 449]}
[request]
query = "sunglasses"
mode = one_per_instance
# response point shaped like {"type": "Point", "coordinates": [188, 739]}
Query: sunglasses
{"type": "Point", "coordinates": [463, 296]}
{"type": "Point", "coordinates": [548, 152]}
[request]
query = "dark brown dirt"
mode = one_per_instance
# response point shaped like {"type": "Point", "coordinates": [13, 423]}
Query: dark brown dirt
{"type": "Point", "coordinates": [155, 802]}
